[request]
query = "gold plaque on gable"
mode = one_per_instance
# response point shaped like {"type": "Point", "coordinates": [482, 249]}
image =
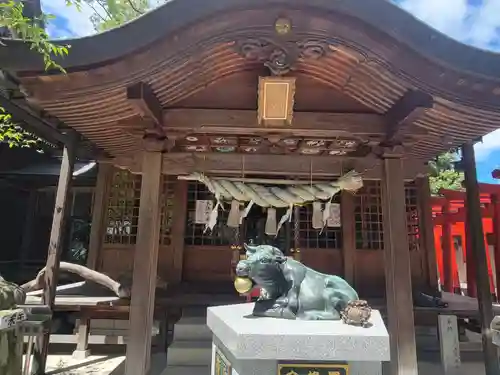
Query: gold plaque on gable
{"type": "Point", "coordinates": [276, 98]}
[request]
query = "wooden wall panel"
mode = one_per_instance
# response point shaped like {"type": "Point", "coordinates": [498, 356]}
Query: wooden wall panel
{"type": "Point", "coordinates": [207, 263]}
{"type": "Point", "coordinates": [369, 277]}
{"type": "Point", "coordinates": [370, 274]}
{"type": "Point", "coordinates": [323, 260]}
{"type": "Point", "coordinates": [418, 270]}
{"type": "Point", "coordinates": [117, 260]}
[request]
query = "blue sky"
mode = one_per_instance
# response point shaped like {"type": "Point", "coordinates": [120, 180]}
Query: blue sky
{"type": "Point", "coordinates": [474, 22]}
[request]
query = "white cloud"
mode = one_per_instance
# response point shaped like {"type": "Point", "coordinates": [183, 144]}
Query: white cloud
{"type": "Point", "coordinates": [487, 23]}
{"type": "Point", "coordinates": [490, 143]}
{"type": "Point", "coordinates": [70, 22]}
{"type": "Point", "coordinates": [477, 25]}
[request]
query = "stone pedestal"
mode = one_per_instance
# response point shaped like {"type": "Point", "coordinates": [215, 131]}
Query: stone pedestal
{"type": "Point", "coordinates": [245, 345]}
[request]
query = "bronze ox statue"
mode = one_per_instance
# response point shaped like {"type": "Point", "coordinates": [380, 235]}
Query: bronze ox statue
{"type": "Point", "coordinates": [290, 290]}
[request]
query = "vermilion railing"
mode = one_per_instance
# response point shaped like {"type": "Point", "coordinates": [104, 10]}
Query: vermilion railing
{"type": "Point", "coordinates": [455, 264]}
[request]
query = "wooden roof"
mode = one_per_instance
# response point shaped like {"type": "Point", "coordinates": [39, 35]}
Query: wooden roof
{"type": "Point", "coordinates": [354, 58]}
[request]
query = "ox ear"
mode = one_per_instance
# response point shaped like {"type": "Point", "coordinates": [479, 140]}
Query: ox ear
{"type": "Point", "coordinates": [249, 248]}
{"type": "Point", "coordinates": [281, 259]}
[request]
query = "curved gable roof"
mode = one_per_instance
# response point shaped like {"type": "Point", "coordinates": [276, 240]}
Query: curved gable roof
{"type": "Point", "coordinates": [185, 45]}
{"type": "Point", "coordinates": [177, 14]}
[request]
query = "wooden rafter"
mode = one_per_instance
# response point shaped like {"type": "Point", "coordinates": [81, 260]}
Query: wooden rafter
{"type": "Point", "coordinates": [405, 111]}
{"type": "Point", "coordinates": [144, 100]}
{"type": "Point", "coordinates": [46, 129]}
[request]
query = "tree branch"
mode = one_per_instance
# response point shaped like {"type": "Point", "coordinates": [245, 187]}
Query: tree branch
{"type": "Point", "coordinates": [132, 5]}
{"type": "Point", "coordinates": [86, 273]}
{"type": "Point", "coordinates": [97, 13]}
{"type": "Point", "coordinates": [102, 4]}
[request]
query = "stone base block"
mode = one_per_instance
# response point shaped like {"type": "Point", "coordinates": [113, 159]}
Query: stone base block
{"type": "Point", "coordinates": [245, 345]}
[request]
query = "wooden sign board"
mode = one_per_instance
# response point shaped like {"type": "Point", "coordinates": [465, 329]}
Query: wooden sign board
{"type": "Point", "coordinates": [313, 368]}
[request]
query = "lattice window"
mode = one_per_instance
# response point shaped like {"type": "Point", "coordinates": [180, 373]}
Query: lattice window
{"type": "Point", "coordinates": [411, 200]}
{"type": "Point", "coordinates": [310, 238]}
{"type": "Point", "coordinates": [195, 233]}
{"type": "Point", "coordinates": [167, 202]}
{"type": "Point", "coordinates": [123, 208]}
{"type": "Point", "coordinates": [368, 217]}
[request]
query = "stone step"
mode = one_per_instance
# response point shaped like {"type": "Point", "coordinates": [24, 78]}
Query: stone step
{"type": "Point", "coordinates": [192, 328]}
{"type": "Point", "coordinates": [189, 353]}
{"type": "Point", "coordinates": [194, 312]}
{"type": "Point", "coordinates": [186, 370]}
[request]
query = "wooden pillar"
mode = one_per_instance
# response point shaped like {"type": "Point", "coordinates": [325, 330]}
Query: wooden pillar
{"type": "Point", "coordinates": [495, 200]}
{"type": "Point", "coordinates": [145, 266]}
{"type": "Point", "coordinates": [82, 351]}
{"type": "Point", "coordinates": [448, 250]}
{"type": "Point", "coordinates": [478, 251]}
{"type": "Point", "coordinates": [426, 229]}
{"type": "Point", "coordinates": [179, 228]}
{"type": "Point", "coordinates": [99, 213]}
{"type": "Point", "coordinates": [97, 228]}
{"type": "Point", "coordinates": [348, 235]}
{"type": "Point", "coordinates": [59, 223]}
{"type": "Point", "coordinates": [397, 270]}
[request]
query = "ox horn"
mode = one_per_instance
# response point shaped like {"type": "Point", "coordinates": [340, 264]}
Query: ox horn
{"type": "Point", "coordinates": [250, 248]}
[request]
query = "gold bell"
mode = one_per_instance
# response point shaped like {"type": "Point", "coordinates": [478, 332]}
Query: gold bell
{"type": "Point", "coordinates": [243, 285]}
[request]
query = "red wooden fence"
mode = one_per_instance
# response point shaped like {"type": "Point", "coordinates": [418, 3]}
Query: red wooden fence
{"type": "Point", "coordinates": [449, 216]}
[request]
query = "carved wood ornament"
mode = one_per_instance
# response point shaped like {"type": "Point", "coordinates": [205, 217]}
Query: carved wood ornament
{"type": "Point", "coordinates": [280, 56]}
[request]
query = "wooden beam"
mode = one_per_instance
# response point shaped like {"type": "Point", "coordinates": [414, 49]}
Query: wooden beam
{"type": "Point", "coordinates": [279, 165]}
{"type": "Point", "coordinates": [99, 214]}
{"type": "Point", "coordinates": [306, 124]}
{"type": "Point", "coordinates": [59, 223]}
{"type": "Point", "coordinates": [404, 112]}
{"type": "Point", "coordinates": [282, 165]}
{"type": "Point", "coordinates": [478, 250]}
{"type": "Point", "coordinates": [145, 267]}
{"type": "Point", "coordinates": [398, 270]}
{"type": "Point", "coordinates": [142, 97]}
